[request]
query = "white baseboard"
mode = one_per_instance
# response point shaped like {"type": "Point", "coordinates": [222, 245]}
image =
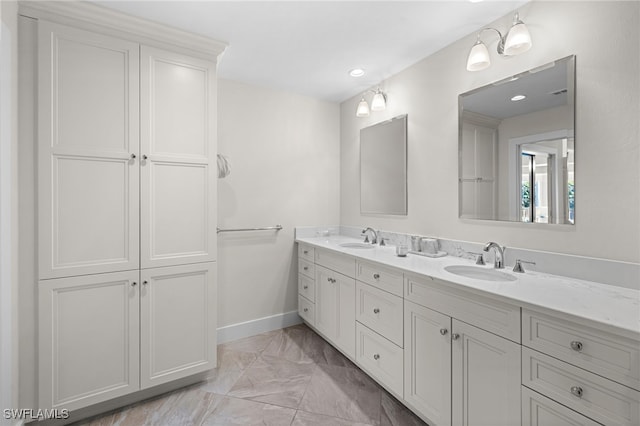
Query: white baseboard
{"type": "Point", "coordinates": [233, 332]}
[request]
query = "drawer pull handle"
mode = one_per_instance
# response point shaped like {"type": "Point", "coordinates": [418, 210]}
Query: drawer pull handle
{"type": "Point", "coordinates": [376, 276]}
{"type": "Point", "coordinates": [331, 280]}
{"type": "Point", "coordinates": [443, 331]}
{"type": "Point", "coordinates": [376, 356]}
{"type": "Point", "coordinates": [306, 252]}
{"type": "Point", "coordinates": [577, 391]}
{"type": "Point", "coordinates": [455, 336]}
{"type": "Point", "coordinates": [576, 346]}
{"type": "Point", "coordinates": [306, 309]}
{"type": "Point", "coordinates": [306, 268]}
{"type": "Point", "coordinates": [376, 310]}
{"type": "Point", "coordinates": [305, 287]}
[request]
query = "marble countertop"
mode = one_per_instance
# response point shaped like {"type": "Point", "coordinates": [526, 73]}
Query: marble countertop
{"type": "Point", "coordinates": [601, 303]}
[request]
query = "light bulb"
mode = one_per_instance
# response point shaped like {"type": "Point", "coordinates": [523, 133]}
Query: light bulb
{"type": "Point", "coordinates": [478, 57]}
{"type": "Point", "coordinates": [363, 108]}
{"type": "Point", "coordinates": [518, 39]}
{"type": "Point", "coordinates": [378, 103]}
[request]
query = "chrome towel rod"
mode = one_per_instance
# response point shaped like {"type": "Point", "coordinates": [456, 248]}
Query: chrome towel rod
{"type": "Point", "coordinates": [266, 228]}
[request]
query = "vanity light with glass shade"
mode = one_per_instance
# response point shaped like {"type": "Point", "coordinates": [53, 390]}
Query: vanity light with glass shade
{"type": "Point", "coordinates": [517, 40]}
{"type": "Point", "coordinates": [378, 103]}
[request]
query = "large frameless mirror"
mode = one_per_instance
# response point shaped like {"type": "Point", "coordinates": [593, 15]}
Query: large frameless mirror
{"type": "Point", "coordinates": [383, 167]}
{"type": "Point", "coordinates": [517, 148]}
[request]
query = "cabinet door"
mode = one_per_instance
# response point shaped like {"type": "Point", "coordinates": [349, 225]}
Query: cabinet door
{"type": "Point", "coordinates": [88, 132]}
{"type": "Point", "coordinates": [336, 309]}
{"type": "Point", "coordinates": [485, 378]}
{"type": "Point", "coordinates": [427, 362]}
{"type": "Point", "coordinates": [177, 322]}
{"type": "Point", "coordinates": [88, 339]}
{"type": "Point", "coordinates": [177, 170]}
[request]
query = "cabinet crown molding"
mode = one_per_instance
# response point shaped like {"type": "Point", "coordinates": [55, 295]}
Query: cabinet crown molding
{"type": "Point", "coordinates": [92, 17]}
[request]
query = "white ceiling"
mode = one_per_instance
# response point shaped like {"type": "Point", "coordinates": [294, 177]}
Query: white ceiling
{"type": "Point", "coordinates": [308, 47]}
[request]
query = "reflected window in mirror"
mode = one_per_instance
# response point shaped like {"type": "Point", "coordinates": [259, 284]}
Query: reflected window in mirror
{"type": "Point", "coordinates": [517, 147]}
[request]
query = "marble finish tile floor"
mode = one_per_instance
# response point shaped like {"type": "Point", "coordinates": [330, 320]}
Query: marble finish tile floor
{"type": "Point", "coordinates": [288, 377]}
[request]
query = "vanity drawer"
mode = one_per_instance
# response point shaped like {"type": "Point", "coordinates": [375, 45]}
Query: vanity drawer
{"type": "Point", "coordinates": [382, 359]}
{"type": "Point", "coordinates": [380, 311]}
{"type": "Point", "coordinates": [538, 410]}
{"type": "Point", "coordinates": [488, 314]}
{"type": "Point", "coordinates": [601, 399]}
{"type": "Point", "coordinates": [307, 287]}
{"type": "Point", "coordinates": [342, 263]}
{"type": "Point", "coordinates": [306, 268]}
{"type": "Point", "coordinates": [306, 310]}
{"type": "Point", "coordinates": [306, 252]}
{"type": "Point", "coordinates": [615, 357]}
{"type": "Point", "coordinates": [387, 279]}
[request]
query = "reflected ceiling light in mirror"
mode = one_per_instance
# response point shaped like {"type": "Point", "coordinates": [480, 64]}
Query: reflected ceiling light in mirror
{"type": "Point", "coordinates": [517, 40]}
{"type": "Point", "coordinates": [378, 103]}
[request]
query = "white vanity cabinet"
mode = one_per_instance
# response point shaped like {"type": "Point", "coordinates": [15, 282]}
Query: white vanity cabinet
{"type": "Point", "coordinates": [576, 365]}
{"type": "Point", "coordinates": [335, 308]}
{"type": "Point", "coordinates": [306, 284]}
{"type": "Point", "coordinates": [126, 240]}
{"type": "Point", "coordinates": [472, 377]}
{"type": "Point", "coordinates": [461, 356]}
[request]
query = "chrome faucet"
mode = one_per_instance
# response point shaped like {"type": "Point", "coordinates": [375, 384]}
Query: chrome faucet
{"type": "Point", "coordinates": [499, 259]}
{"type": "Point", "coordinates": [374, 235]}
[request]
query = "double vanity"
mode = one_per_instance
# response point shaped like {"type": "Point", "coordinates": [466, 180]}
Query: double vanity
{"type": "Point", "coordinates": [464, 344]}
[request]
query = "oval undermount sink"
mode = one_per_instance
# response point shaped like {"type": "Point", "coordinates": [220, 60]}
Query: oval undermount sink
{"type": "Point", "coordinates": [357, 245]}
{"type": "Point", "coordinates": [479, 273]}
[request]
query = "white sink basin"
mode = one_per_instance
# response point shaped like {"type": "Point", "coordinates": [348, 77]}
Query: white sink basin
{"type": "Point", "coordinates": [357, 245]}
{"type": "Point", "coordinates": [479, 273]}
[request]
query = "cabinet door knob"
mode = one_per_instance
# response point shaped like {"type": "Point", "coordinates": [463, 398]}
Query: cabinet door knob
{"type": "Point", "coordinates": [144, 157]}
{"type": "Point", "coordinates": [145, 282]}
{"type": "Point", "coordinates": [376, 276]}
{"type": "Point", "coordinates": [576, 346]}
{"type": "Point", "coordinates": [329, 279]}
{"type": "Point", "coordinates": [133, 284]}
{"type": "Point", "coordinates": [305, 287]}
{"type": "Point", "coordinates": [455, 336]}
{"type": "Point", "coordinates": [306, 268]}
{"type": "Point", "coordinates": [306, 309]}
{"type": "Point", "coordinates": [306, 252]}
{"type": "Point", "coordinates": [443, 331]}
{"type": "Point", "coordinates": [376, 310]}
{"type": "Point", "coordinates": [133, 156]}
{"type": "Point", "coordinates": [376, 356]}
{"type": "Point", "coordinates": [577, 391]}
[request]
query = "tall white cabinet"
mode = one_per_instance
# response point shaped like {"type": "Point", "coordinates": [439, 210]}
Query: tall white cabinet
{"type": "Point", "coordinates": [126, 240]}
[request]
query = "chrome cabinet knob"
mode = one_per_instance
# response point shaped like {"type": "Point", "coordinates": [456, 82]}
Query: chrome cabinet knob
{"type": "Point", "coordinates": [455, 336]}
{"type": "Point", "coordinates": [133, 156]}
{"type": "Point", "coordinates": [577, 391]}
{"type": "Point", "coordinates": [376, 356]}
{"type": "Point", "coordinates": [133, 284]}
{"type": "Point", "coordinates": [576, 346]}
{"type": "Point", "coordinates": [144, 157]}
{"type": "Point", "coordinates": [376, 276]}
{"type": "Point", "coordinates": [376, 310]}
{"type": "Point", "coordinates": [443, 331]}
{"type": "Point", "coordinates": [145, 282]}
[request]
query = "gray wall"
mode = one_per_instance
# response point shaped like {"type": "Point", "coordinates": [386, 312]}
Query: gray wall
{"type": "Point", "coordinates": [605, 37]}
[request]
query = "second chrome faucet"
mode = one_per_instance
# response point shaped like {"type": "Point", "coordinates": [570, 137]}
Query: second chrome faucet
{"type": "Point", "coordinates": [499, 256]}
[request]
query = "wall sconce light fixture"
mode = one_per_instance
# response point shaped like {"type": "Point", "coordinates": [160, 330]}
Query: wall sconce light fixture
{"type": "Point", "coordinates": [517, 40]}
{"type": "Point", "coordinates": [378, 103]}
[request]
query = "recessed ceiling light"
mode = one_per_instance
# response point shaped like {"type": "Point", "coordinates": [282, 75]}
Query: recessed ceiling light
{"type": "Point", "coordinates": [356, 72]}
{"type": "Point", "coordinates": [518, 98]}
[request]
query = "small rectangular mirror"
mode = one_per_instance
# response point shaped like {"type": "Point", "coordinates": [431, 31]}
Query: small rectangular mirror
{"type": "Point", "coordinates": [383, 167]}
{"type": "Point", "coordinates": [517, 149]}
